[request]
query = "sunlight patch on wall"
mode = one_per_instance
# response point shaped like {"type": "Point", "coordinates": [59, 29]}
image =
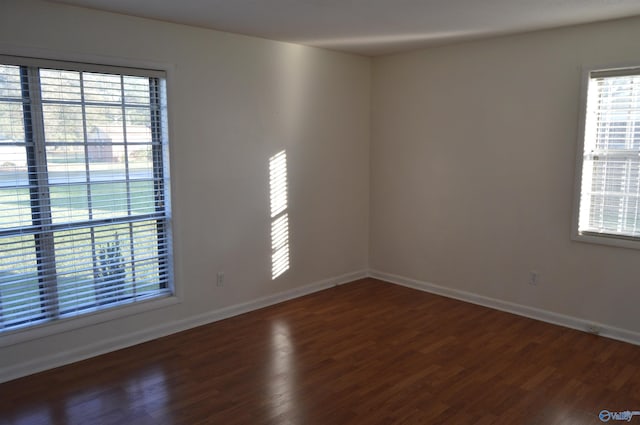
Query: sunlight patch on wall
{"type": "Point", "coordinates": [279, 216]}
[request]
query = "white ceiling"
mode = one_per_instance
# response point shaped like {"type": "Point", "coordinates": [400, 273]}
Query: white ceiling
{"type": "Point", "coordinates": [371, 27]}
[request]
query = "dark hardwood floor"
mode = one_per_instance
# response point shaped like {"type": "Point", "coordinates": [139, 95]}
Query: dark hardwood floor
{"type": "Point", "coordinates": [363, 353]}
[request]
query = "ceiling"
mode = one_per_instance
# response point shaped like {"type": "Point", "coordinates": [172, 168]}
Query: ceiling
{"type": "Point", "coordinates": [371, 27]}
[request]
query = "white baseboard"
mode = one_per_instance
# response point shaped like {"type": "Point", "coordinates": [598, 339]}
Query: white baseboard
{"type": "Point", "coordinates": [509, 307]}
{"type": "Point", "coordinates": [81, 353]}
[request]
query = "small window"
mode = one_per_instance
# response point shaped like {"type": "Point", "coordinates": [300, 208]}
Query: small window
{"type": "Point", "coordinates": [84, 191]}
{"type": "Point", "coordinates": [608, 198]}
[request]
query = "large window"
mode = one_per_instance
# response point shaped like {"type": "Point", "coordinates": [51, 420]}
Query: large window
{"type": "Point", "coordinates": [84, 202]}
{"type": "Point", "coordinates": [609, 198]}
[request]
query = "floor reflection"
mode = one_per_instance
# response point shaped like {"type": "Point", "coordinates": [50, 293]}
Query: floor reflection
{"type": "Point", "coordinates": [142, 399]}
{"type": "Point", "coordinates": [151, 392]}
{"type": "Point", "coordinates": [35, 415]}
{"type": "Point", "coordinates": [282, 379]}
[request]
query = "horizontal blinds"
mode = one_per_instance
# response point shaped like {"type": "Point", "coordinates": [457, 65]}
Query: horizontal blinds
{"type": "Point", "coordinates": [610, 202]}
{"type": "Point", "coordinates": [94, 268]}
{"type": "Point", "coordinates": [83, 220]}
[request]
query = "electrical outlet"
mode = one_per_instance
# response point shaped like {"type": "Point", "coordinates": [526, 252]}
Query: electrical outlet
{"type": "Point", "coordinates": [534, 277]}
{"type": "Point", "coordinates": [220, 279]}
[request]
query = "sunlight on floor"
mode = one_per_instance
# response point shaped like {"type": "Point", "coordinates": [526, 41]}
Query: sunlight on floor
{"type": "Point", "coordinates": [282, 388]}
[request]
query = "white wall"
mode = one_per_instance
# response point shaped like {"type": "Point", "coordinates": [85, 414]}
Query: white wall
{"type": "Point", "coordinates": [234, 101]}
{"type": "Point", "coordinates": [472, 162]}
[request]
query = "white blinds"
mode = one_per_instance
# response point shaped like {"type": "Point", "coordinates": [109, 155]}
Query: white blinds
{"type": "Point", "coordinates": [610, 201]}
{"type": "Point", "coordinates": [84, 219]}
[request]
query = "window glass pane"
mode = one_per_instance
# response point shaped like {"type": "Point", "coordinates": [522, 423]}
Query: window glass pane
{"type": "Point", "coordinates": [138, 125]}
{"type": "Point", "coordinates": [11, 117]}
{"type": "Point", "coordinates": [612, 135]}
{"type": "Point", "coordinates": [69, 203]}
{"type": "Point", "coordinates": [606, 212]}
{"type": "Point", "coordinates": [149, 277]}
{"type": "Point", "coordinates": [90, 280]}
{"type": "Point", "coordinates": [10, 85]}
{"type": "Point", "coordinates": [13, 164]}
{"type": "Point", "coordinates": [104, 124]}
{"type": "Point", "coordinates": [109, 200]}
{"type": "Point", "coordinates": [74, 270]}
{"type": "Point", "coordinates": [102, 88]}
{"type": "Point", "coordinates": [147, 246]}
{"type": "Point", "coordinates": [93, 280]}
{"type": "Point", "coordinates": [66, 164]}
{"type": "Point", "coordinates": [60, 85]}
{"type": "Point", "coordinates": [63, 123]}
{"type": "Point", "coordinates": [136, 90]}
{"type": "Point", "coordinates": [632, 222]}
{"type": "Point", "coordinates": [114, 264]}
{"type": "Point", "coordinates": [140, 161]}
{"type": "Point", "coordinates": [142, 197]}
{"type": "Point", "coordinates": [15, 207]}
{"type": "Point", "coordinates": [107, 163]}
{"type": "Point", "coordinates": [615, 190]}
{"type": "Point", "coordinates": [11, 123]}
{"type": "Point", "coordinates": [19, 286]}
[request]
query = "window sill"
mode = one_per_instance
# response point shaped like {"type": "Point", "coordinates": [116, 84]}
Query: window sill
{"type": "Point", "coordinates": [67, 324]}
{"type": "Point", "coordinates": [606, 239]}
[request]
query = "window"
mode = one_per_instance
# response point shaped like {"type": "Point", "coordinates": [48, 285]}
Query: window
{"type": "Point", "coordinates": [84, 194]}
{"type": "Point", "coordinates": [609, 163]}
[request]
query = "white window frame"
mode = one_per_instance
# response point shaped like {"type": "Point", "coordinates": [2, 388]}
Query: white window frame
{"type": "Point", "coordinates": [589, 237]}
{"type": "Point", "coordinates": [46, 57]}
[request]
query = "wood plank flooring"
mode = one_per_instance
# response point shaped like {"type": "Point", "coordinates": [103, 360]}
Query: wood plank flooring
{"type": "Point", "coordinates": [364, 353]}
